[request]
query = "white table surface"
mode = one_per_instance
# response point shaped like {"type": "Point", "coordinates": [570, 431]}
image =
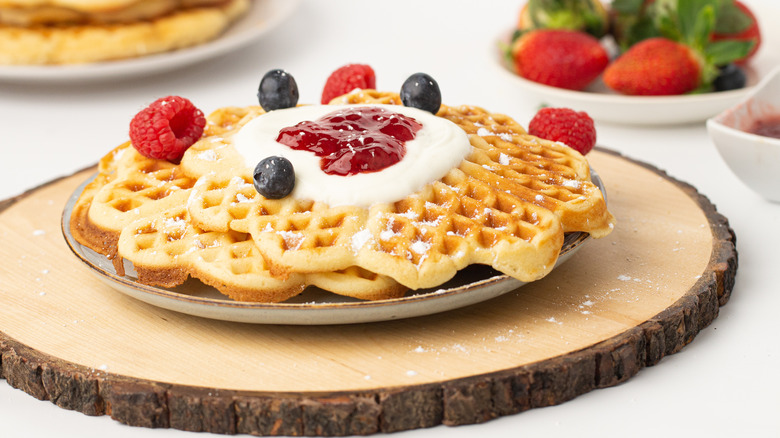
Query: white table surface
{"type": "Point", "coordinates": [725, 383]}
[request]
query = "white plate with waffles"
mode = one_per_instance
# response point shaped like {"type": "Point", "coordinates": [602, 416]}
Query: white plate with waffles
{"type": "Point", "coordinates": [263, 16]}
{"type": "Point", "coordinates": [313, 306]}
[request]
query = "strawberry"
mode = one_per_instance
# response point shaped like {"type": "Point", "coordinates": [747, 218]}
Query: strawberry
{"type": "Point", "coordinates": [680, 55]}
{"type": "Point", "coordinates": [346, 79]}
{"type": "Point", "coordinates": [559, 58]}
{"type": "Point", "coordinates": [654, 67]}
{"type": "Point", "coordinates": [574, 129]}
{"type": "Point", "coordinates": [738, 24]}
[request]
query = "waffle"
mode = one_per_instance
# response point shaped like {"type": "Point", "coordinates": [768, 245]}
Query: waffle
{"type": "Point", "coordinates": [28, 13]}
{"type": "Point", "coordinates": [61, 32]}
{"type": "Point", "coordinates": [136, 207]}
{"type": "Point", "coordinates": [507, 205]}
{"type": "Point", "coordinates": [129, 186]}
{"type": "Point", "coordinates": [230, 262]}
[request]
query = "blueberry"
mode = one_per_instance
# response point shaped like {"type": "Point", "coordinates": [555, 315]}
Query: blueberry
{"type": "Point", "coordinates": [730, 77]}
{"type": "Point", "coordinates": [421, 91]}
{"type": "Point", "coordinates": [274, 177]}
{"type": "Point", "coordinates": [277, 90]}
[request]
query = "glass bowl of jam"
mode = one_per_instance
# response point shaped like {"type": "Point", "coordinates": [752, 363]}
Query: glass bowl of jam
{"type": "Point", "coordinates": [747, 136]}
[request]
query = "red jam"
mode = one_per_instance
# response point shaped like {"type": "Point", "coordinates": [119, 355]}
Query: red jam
{"type": "Point", "coordinates": [767, 128]}
{"type": "Point", "coordinates": [353, 140]}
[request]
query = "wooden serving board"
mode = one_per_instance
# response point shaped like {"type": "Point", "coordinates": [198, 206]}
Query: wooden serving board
{"type": "Point", "coordinates": [620, 304]}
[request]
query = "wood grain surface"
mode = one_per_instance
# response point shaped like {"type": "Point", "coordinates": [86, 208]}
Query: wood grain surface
{"type": "Point", "coordinates": [621, 303]}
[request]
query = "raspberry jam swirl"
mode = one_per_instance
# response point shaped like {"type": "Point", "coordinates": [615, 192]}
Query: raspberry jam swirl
{"type": "Point", "coordinates": [354, 139]}
{"type": "Point", "coordinates": [437, 147]}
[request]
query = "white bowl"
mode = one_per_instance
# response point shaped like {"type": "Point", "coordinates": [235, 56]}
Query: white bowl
{"type": "Point", "coordinates": [755, 159]}
{"type": "Point", "coordinates": [605, 105]}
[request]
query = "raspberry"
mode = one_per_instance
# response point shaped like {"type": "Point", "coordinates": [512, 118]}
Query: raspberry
{"type": "Point", "coordinates": [166, 128]}
{"type": "Point", "coordinates": [346, 79]}
{"type": "Point", "coordinates": [575, 129]}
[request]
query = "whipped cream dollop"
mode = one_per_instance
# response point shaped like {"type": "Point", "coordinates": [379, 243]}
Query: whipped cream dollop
{"type": "Point", "coordinates": [438, 146]}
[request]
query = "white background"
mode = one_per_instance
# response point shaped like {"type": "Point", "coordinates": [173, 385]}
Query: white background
{"type": "Point", "coordinates": [726, 383]}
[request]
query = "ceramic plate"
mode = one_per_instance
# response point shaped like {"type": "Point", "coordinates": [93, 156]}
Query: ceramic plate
{"type": "Point", "coordinates": [605, 105]}
{"type": "Point", "coordinates": [261, 18]}
{"type": "Point", "coordinates": [314, 306]}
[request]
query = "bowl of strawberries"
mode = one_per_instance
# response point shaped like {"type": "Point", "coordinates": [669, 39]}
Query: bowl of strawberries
{"type": "Point", "coordinates": [648, 62]}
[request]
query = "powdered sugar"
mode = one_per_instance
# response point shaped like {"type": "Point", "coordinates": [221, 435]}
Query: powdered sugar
{"type": "Point", "coordinates": [208, 155]}
{"type": "Point", "coordinates": [292, 240]}
{"type": "Point", "coordinates": [420, 247]}
{"type": "Point", "coordinates": [176, 223]}
{"type": "Point", "coordinates": [388, 232]}
{"type": "Point", "coordinates": [241, 198]}
{"type": "Point", "coordinates": [359, 240]}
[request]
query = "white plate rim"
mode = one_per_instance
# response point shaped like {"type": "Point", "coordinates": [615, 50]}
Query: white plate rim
{"type": "Point", "coordinates": [263, 16]}
{"type": "Point", "coordinates": [328, 313]}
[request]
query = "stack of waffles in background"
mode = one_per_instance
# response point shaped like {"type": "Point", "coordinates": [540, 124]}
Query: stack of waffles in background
{"type": "Point", "coordinates": [507, 205]}
{"type": "Point", "coordinates": [36, 32]}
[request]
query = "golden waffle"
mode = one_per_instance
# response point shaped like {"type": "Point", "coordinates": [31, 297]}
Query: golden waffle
{"type": "Point", "coordinates": [135, 209]}
{"type": "Point", "coordinates": [547, 174]}
{"type": "Point", "coordinates": [128, 187]}
{"type": "Point", "coordinates": [541, 172]}
{"type": "Point", "coordinates": [507, 205]}
{"type": "Point", "coordinates": [28, 13]}
{"type": "Point", "coordinates": [94, 41]}
{"type": "Point", "coordinates": [100, 239]}
{"type": "Point", "coordinates": [166, 249]}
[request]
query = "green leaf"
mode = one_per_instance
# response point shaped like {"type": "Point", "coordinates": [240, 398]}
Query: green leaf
{"type": "Point", "coordinates": [641, 30]}
{"type": "Point", "coordinates": [727, 51]}
{"type": "Point", "coordinates": [731, 19]}
{"type": "Point", "coordinates": [551, 4]}
{"type": "Point", "coordinates": [695, 17]}
{"type": "Point", "coordinates": [687, 14]}
{"type": "Point", "coordinates": [627, 6]}
{"type": "Point", "coordinates": [564, 19]}
{"type": "Point", "coordinates": [690, 22]}
{"type": "Point", "coordinates": [506, 52]}
{"type": "Point", "coordinates": [580, 15]}
{"type": "Point", "coordinates": [702, 28]}
{"type": "Point", "coordinates": [669, 28]}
